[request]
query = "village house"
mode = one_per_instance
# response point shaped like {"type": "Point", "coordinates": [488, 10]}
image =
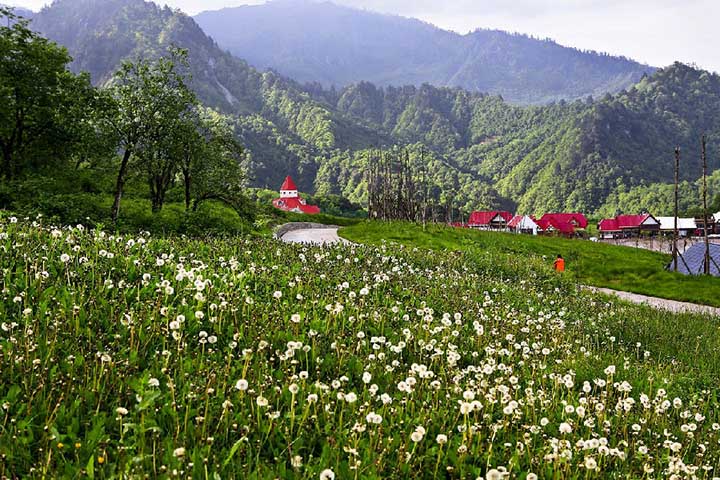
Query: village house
{"type": "Point", "coordinates": [625, 226]}
{"type": "Point", "coordinates": [567, 224]}
{"type": "Point", "coordinates": [495, 220]}
{"type": "Point", "coordinates": [686, 226]}
{"type": "Point", "coordinates": [290, 201]}
{"type": "Point", "coordinates": [523, 224]}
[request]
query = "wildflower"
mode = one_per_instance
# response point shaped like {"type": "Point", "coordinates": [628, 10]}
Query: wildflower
{"type": "Point", "coordinates": [295, 318]}
{"type": "Point", "coordinates": [64, 258]}
{"type": "Point", "coordinates": [441, 439]}
{"type": "Point", "coordinates": [590, 463]}
{"type": "Point", "coordinates": [494, 474]}
{"type": "Point", "coordinates": [154, 382]}
{"type": "Point", "coordinates": [565, 428]}
{"type": "Point", "coordinates": [277, 294]}
{"type": "Point", "coordinates": [296, 461]}
{"type": "Point", "coordinates": [241, 385]}
{"type": "Point", "coordinates": [610, 370]}
{"type": "Point", "coordinates": [374, 418]}
{"type": "Point", "coordinates": [327, 474]}
{"type": "Point", "coordinates": [262, 401]}
{"type": "Point", "coordinates": [179, 452]}
{"type": "Point", "coordinates": [122, 411]}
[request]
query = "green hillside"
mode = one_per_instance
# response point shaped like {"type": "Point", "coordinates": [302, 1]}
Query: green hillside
{"type": "Point", "coordinates": [588, 263]}
{"type": "Point", "coordinates": [591, 155]}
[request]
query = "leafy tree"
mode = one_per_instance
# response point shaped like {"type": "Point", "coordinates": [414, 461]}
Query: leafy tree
{"type": "Point", "coordinates": [150, 98]}
{"type": "Point", "coordinates": [218, 172]}
{"type": "Point", "coordinates": [44, 108]}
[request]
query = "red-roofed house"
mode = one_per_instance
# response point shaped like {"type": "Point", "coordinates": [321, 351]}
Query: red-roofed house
{"type": "Point", "coordinates": [495, 220]}
{"type": "Point", "coordinates": [290, 201]}
{"type": "Point", "coordinates": [577, 220]}
{"type": "Point", "coordinates": [567, 224]}
{"type": "Point", "coordinates": [627, 225]}
{"type": "Point", "coordinates": [553, 225]}
{"type": "Point", "coordinates": [523, 224]}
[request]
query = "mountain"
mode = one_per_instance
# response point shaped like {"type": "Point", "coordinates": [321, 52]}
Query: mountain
{"type": "Point", "coordinates": [479, 150]}
{"type": "Point", "coordinates": [312, 41]}
{"type": "Point", "coordinates": [279, 121]}
{"type": "Point", "coordinates": [20, 12]}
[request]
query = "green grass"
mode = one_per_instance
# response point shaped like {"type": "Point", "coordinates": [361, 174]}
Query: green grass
{"type": "Point", "coordinates": [597, 264]}
{"type": "Point", "coordinates": [125, 357]}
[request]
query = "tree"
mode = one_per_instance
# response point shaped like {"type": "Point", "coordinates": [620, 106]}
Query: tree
{"type": "Point", "coordinates": [43, 106]}
{"type": "Point", "coordinates": [150, 99]}
{"type": "Point", "coordinates": [218, 172]}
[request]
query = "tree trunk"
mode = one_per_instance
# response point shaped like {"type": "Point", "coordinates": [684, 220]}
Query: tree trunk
{"type": "Point", "coordinates": [7, 161]}
{"type": "Point", "coordinates": [119, 184]}
{"type": "Point", "coordinates": [187, 179]}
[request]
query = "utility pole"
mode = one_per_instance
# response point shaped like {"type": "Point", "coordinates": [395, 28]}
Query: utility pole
{"type": "Point", "coordinates": [706, 269]}
{"type": "Point", "coordinates": [675, 230]}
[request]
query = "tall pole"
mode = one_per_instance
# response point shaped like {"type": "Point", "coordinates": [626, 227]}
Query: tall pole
{"type": "Point", "coordinates": [705, 210]}
{"type": "Point", "coordinates": [675, 230]}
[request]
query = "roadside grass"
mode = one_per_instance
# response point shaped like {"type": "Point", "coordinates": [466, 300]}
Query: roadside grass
{"type": "Point", "coordinates": [597, 264]}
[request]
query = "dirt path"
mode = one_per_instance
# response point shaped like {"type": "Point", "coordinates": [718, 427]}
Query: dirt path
{"type": "Point", "coordinates": [316, 236]}
{"type": "Point", "coordinates": [659, 303]}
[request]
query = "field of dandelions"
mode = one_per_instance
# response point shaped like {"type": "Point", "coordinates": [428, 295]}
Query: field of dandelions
{"type": "Point", "coordinates": [142, 357]}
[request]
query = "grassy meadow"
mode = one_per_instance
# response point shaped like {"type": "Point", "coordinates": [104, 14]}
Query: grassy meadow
{"type": "Point", "coordinates": [598, 264]}
{"type": "Point", "coordinates": [138, 356]}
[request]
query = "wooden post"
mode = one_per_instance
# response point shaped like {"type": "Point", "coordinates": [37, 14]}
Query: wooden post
{"type": "Point", "coordinates": [706, 268]}
{"type": "Point", "coordinates": [675, 230]}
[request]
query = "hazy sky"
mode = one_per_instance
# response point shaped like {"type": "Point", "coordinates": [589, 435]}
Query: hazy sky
{"type": "Point", "coordinates": [657, 32]}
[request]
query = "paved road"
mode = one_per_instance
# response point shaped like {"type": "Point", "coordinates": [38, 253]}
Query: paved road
{"type": "Point", "coordinates": [660, 303]}
{"type": "Point", "coordinates": [317, 236]}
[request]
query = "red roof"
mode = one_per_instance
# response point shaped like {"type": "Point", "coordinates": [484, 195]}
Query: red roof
{"type": "Point", "coordinates": [622, 222]}
{"type": "Point", "coordinates": [515, 221]}
{"type": "Point", "coordinates": [288, 184]}
{"type": "Point", "coordinates": [296, 204]}
{"type": "Point", "coordinates": [608, 225]}
{"type": "Point", "coordinates": [484, 218]}
{"type": "Point", "coordinates": [552, 223]}
{"type": "Point", "coordinates": [578, 220]}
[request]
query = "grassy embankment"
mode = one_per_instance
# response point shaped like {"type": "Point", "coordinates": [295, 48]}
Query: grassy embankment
{"type": "Point", "coordinates": [597, 264]}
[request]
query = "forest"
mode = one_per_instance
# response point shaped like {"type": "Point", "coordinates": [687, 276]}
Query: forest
{"type": "Point", "coordinates": [146, 127]}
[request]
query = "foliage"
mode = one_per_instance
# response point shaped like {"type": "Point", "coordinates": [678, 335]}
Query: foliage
{"type": "Point", "coordinates": [130, 355]}
{"type": "Point", "coordinates": [590, 263]}
{"type": "Point", "coordinates": [45, 111]}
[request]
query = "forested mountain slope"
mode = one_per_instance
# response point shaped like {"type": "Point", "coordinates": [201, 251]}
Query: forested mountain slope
{"type": "Point", "coordinates": [322, 42]}
{"type": "Point", "coordinates": [478, 150]}
{"type": "Point", "coordinates": [279, 122]}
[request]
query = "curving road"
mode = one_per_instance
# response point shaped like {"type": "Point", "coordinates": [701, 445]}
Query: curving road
{"type": "Point", "coordinates": [315, 236]}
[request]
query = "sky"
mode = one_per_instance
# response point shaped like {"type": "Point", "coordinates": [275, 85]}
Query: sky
{"type": "Point", "coordinates": [656, 32]}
